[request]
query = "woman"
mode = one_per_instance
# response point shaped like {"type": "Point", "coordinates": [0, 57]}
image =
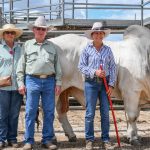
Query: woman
{"type": "Point", "coordinates": [10, 99]}
{"type": "Point", "coordinates": [94, 55]}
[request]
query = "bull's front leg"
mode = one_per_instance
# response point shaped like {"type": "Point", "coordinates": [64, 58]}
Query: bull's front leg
{"type": "Point", "coordinates": [63, 119]}
{"type": "Point", "coordinates": [131, 102]}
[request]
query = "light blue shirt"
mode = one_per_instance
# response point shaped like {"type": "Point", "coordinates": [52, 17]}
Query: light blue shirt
{"type": "Point", "coordinates": [38, 59]}
{"type": "Point", "coordinates": [8, 63]}
{"type": "Point", "coordinates": [91, 59]}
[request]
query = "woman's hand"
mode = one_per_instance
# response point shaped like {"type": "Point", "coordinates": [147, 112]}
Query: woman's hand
{"type": "Point", "coordinates": [110, 89]}
{"type": "Point", "coordinates": [100, 73]}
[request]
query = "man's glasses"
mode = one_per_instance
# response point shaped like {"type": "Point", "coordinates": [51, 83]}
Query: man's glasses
{"type": "Point", "coordinates": [41, 29]}
{"type": "Point", "coordinates": [10, 32]}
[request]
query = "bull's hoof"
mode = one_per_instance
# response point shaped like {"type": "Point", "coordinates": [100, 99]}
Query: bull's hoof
{"type": "Point", "coordinates": [71, 139]}
{"type": "Point", "coordinates": [135, 142]}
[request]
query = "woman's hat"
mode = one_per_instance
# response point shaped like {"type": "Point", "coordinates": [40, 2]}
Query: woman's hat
{"type": "Point", "coordinates": [97, 27]}
{"type": "Point", "coordinates": [39, 22]}
{"type": "Point", "coordinates": [11, 27]}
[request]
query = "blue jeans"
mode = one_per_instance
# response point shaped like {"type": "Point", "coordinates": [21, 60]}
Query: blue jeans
{"type": "Point", "coordinates": [94, 91]}
{"type": "Point", "coordinates": [45, 88]}
{"type": "Point", "coordinates": [10, 103]}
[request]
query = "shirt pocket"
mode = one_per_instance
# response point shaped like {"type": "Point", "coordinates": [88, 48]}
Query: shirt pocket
{"type": "Point", "coordinates": [50, 57]}
{"type": "Point", "coordinates": [32, 56]}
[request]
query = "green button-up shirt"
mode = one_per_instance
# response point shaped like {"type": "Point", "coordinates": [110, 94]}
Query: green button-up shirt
{"type": "Point", "coordinates": [8, 63]}
{"type": "Point", "coordinates": [38, 59]}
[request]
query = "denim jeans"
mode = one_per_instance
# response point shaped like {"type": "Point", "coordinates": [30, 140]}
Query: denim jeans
{"type": "Point", "coordinates": [10, 103]}
{"type": "Point", "coordinates": [45, 88]}
{"type": "Point", "coordinates": [94, 91]}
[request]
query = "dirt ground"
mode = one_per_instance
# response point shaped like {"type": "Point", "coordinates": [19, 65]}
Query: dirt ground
{"type": "Point", "coordinates": [76, 118]}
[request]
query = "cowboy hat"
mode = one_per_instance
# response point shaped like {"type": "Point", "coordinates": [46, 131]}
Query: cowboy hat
{"type": "Point", "coordinates": [97, 27]}
{"type": "Point", "coordinates": [10, 27]}
{"type": "Point", "coordinates": [39, 22]}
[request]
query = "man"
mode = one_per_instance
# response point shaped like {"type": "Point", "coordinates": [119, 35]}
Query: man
{"type": "Point", "coordinates": [94, 55]}
{"type": "Point", "coordinates": [40, 69]}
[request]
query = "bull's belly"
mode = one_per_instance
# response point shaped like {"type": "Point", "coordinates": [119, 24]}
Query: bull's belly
{"type": "Point", "coordinates": [144, 103]}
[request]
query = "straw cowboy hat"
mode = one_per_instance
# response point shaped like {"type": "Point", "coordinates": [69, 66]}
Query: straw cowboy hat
{"type": "Point", "coordinates": [39, 22]}
{"type": "Point", "coordinates": [97, 27]}
{"type": "Point", "coordinates": [11, 27]}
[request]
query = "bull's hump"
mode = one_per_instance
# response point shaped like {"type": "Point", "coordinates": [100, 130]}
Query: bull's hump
{"type": "Point", "coordinates": [136, 31]}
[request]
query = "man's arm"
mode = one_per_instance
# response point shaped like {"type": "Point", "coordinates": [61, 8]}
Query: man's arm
{"type": "Point", "coordinates": [58, 75]}
{"type": "Point", "coordinates": [21, 72]}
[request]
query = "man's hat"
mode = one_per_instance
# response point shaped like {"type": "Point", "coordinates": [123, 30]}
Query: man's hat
{"type": "Point", "coordinates": [39, 22]}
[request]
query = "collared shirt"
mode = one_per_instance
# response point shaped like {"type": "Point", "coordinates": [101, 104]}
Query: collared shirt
{"type": "Point", "coordinates": [91, 59]}
{"type": "Point", "coordinates": [8, 63]}
{"type": "Point", "coordinates": [38, 59]}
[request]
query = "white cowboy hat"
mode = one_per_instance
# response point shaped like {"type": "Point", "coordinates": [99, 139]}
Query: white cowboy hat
{"type": "Point", "coordinates": [39, 22]}
{"type": "Point", "coordinates": [97, 27]}
{"type": "Point", "coordinates": [11, 27]}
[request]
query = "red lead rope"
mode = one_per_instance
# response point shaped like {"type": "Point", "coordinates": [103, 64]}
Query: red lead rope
{"type": "Point", "coordinates": [112, 110]}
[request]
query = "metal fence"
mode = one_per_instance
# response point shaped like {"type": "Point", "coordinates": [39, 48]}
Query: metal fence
{"type": "Point", "coordinates": [59, 9]}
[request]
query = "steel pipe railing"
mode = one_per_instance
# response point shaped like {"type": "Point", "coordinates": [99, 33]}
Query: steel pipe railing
{"type": "Point", "coordinates": [61, 7]}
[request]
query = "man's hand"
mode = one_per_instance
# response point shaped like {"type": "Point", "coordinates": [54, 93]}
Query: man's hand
{"type": "Point", "coordinates": [110, 89]}
{"type": "Point", "coordinates": [100, 73]}
{"type": "Point", "coordinates": [57, 90]}
{"type": "Point", "coordinates": [22, 90]}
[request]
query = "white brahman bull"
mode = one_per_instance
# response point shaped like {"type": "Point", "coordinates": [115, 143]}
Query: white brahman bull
{"type": "Point", "coordinates": [133, 74]}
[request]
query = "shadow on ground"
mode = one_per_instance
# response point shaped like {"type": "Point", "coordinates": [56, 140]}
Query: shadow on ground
{"type": "Point", "coordinates": [80, 144]}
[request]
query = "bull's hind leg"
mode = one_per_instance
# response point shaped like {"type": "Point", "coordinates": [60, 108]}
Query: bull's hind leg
{"type": "Point", "coordinates": [67, 127]}
{"type": "Point", "coordinates": [63, 106]}
{"type": "Point", "coordinates": [62, 116]}
{"type": "Point", "coordinates": [131, 102]}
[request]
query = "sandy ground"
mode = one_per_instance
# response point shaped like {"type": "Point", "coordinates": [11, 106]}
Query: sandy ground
{"type": "Point", "coordinates": [76, 118]}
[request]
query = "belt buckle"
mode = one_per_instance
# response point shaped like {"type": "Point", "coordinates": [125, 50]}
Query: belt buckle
{"type": "Point", "coordinates": [43, 76]}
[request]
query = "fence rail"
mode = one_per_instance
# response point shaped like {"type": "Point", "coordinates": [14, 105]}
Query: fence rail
{"type": "Point", "coordinates": [60, 10]}
{"type": "Point", "coordinates": [118, 104]}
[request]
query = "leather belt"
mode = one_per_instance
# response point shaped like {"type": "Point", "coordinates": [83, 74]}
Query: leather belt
{"type": "Point", "coordinates": [43, 76]}
{"type": "Point", "coordinates": [95, 79]}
